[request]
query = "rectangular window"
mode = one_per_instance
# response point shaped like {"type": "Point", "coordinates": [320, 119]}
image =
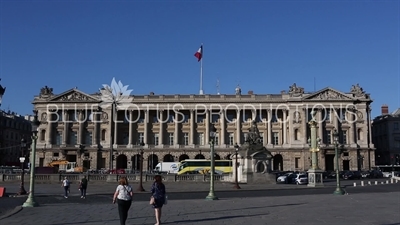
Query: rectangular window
{"type": "Point", "coordinates": [88, 138]}
{"type": "Point", "coordinates": [344, 137]}
{"type": "Point", "coordinates": [140, 138]}
{"type": "Point", "coordinates": [215, 118]}
{"type": "Point", "coordinates": [200, 118]}
{"type": "Point", "coordinates": [185, 138]}
{"type": "Point", "coordinates": [231, 139]}
{"type": "Point", "coordinates": [216, 140]}
{"type": "Point", "coordinates": [60, 116]}
{"type": "Point", "coordinates": [296, 162]}
{"type": "Point", "coordinates": [275, 136]}
{"type": "Point", "coordinates": [328, 137]}
{"type": "Point", "coordinates": [125, 140]}
{"type": "Point", "coordinates": [156, 139]}
{"type": "Point", "coordinates": [200, 138]}
{"type": "Point", "coordinates": [171, 138]}
{"type": "Point", "coordinates": [396, 126]}
{"type": "Point", "coordinates": [73, 136]}
{"type": "Point", "coordinates": [59, 138]}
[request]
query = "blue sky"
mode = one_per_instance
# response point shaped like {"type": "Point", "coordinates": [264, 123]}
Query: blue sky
{"type": "Point", "coordinates": [265, 46]}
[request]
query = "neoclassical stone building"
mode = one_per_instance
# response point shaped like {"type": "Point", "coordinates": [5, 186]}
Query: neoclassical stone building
{"type": "Point", "coordinates": [77, 127]}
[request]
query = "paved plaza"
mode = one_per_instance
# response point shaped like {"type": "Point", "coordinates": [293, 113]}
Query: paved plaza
{"type": "Point", "coordinates": [354, 209]}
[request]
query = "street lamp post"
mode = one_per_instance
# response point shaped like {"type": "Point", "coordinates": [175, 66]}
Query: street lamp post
{"type": "Point", "coordinates": [314, 173]}
{"type": "Point", "coordinates": [22, 160]}
{"type": "Point", "coordinates": [111, 135]}
{"type": "Point", "coordinates": [30, 202]}
{"type": "Point", "coordinates": [338, 190]}
{"type": "Point", "coordinates": [211, 194]}
{"type": "Point", "coordinates": [140, 188]}
{"type": "Point", "coordinates": [236, 186]}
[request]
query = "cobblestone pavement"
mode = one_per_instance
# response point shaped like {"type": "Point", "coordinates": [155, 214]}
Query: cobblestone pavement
{"type": "Point", "coordinates": [354, 209]}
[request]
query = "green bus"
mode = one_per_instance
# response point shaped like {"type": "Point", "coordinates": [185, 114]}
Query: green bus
{"type": "Point", "coordinates": [203, 166]}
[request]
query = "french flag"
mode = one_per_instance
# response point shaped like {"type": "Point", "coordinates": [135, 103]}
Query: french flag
{"type": "Point", "coordinates": [199, 53]}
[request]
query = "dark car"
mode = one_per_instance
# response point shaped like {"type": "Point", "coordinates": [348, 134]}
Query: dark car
{"type": "Point", "coordinates": [352, 175]}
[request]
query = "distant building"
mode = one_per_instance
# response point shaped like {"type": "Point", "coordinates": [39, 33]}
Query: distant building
{"type": "Point", "coordinates": [386, 137]}
{"type": "Point", "coordinates": [72, 119]}
{"type": "Point", "coordinates": [13, 128]}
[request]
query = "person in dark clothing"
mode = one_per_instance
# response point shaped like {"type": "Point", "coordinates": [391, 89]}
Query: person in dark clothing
{"type": "Point", "coordinates": [158, 193]}
{"type": "Point", "coordinates": [83, 186]}
{"type": "Point", "coordinates": [123, 196]}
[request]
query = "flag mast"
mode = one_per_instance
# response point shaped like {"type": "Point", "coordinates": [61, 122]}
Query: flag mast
{"type": "Point", "coordinates": [201, 71]}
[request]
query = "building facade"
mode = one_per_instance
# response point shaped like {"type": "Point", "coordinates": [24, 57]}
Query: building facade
{"type": "Point", "coordinates": [79, 127]}
{"type": "Point", "coordinates": [386, 137]}
{"type": "Point", "coordinates": [13, 128]}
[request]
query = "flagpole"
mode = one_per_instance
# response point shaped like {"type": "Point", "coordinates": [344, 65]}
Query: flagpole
{"type": "Point", "coordinates": [201, 70]}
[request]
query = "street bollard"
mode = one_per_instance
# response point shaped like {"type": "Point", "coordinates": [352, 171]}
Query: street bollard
{"type": "Point", "coordinates": [362, 183]}
{"type": "Point", "coordinates": [392, 181]}
{"type": "Point", "coordinates": [376, 182]}
{"type": "Point", "coordinates": [354, 184]}
{"type": "Point", "coordinates": [397, 181]}
{"type": "Point", "coordinates": [369, 182]}
{"type": "Point", "coordinates": [387, 181]}
{"type": "Point", "coordinates": [381, 182]}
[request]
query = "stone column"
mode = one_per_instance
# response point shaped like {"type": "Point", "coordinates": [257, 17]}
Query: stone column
{"type": "Point", "coordinates": [207, 134]}
{"type": "Point", "coordinates": [335, 119]}
{"type": "Point", "coordinates": [319, 124]}
{"type": "Point", "coordinates": [146, 127]}
{"type": "Point", "coordinates": [96, 130]}
{"type": "Point", "coordinates": [269, 129]}
{"type": "Point", "coordinates": [304, 125]}
{"type": "Point", "coordinates": [130, 137]}
{"type": "Point", "coordinates": [81, 138]}
{"type": "Point", "coordinates": [65, 133]}
{"type": "Point", "coordinates": [351, 131]}
{"type": "Point", "coordinates": [176, 132]}
{"type": "Point", "coordinates": [192, 121]}
{"type": "Point", "coordinates": [223, 129]}
{"type": "Point", "coordinates": [49, 133]}
{"type": "Point", "coordinates": [291, 131]}
{"type": "Point", "coordinates": [284, 130]}
{"type": "Point", "coordinates": [238, 123]}
{"type": "Point", "coordinates": [161, 131]}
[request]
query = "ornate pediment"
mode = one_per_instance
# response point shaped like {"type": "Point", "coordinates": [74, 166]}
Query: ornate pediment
{"type": "Point", "coordinates": [74, 95]}
{"type": "Point", "coordinates": [328, 94]}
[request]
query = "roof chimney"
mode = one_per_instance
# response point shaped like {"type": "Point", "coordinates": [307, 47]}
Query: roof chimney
{"type": "Point", "coordinates": [250, 92]}
{"type": "Point", "coordinates": [385, 109]}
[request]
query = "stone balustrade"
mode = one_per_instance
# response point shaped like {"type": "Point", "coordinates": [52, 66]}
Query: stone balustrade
{"type": "Point", "coordinates": [98, 178]}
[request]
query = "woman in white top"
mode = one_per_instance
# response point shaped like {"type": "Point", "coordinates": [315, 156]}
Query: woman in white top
{"type": "Point", "coordinates": [123, 197]}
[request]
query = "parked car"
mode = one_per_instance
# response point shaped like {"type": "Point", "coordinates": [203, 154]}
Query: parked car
{"type": "Point", "coordinates": [352, 175]}
{"type": "Point", "coordinates": [301, 179]}
{"type": "Point", "coordinates": [287, 178]}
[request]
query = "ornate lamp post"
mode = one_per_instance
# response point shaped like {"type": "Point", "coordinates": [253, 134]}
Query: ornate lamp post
{"type": "Point", "coordinates": [339, 190]}
{"type": "Point", "coordinates": [314, 174]}
{"type": "Point", "coordinates": [22, 160]}
{"type": "Point", "coordinates": [140, 188]}
{"type": "Point", "coordinates": [211, 195]}
{"type": "Point", "coordinates": [236, 186]}
{"type": "Point", "coordinates": [30, 202]}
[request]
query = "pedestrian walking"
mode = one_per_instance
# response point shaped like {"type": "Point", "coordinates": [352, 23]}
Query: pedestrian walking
{"type": "Point", "coordinates": [158, 194]}
{"type": "Point", "coordinates": [123, 197]}
{"type": "Point", "coordinates": [83, 186]}
{"type": "Point", "coordinates": [65, 185]}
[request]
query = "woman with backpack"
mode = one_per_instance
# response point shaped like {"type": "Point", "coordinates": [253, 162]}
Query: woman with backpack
{"type": "Point", "coordinates": [123, 197]}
